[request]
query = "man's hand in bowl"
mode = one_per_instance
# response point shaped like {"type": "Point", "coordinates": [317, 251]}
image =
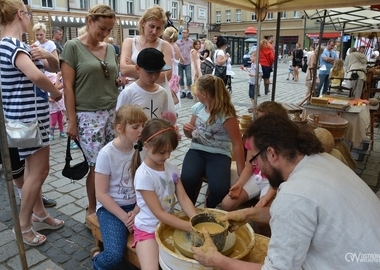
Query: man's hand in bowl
{"type": "Point", "coordinates": [206, 253]}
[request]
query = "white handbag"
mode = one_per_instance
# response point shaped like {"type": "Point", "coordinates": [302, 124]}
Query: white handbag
{"type": "Point", "coordinates": [24, 135]}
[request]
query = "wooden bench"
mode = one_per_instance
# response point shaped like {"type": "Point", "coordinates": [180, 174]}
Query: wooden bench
{"type": "Point", "coordinates": [130, 253]}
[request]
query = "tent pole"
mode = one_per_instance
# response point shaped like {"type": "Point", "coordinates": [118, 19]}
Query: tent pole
{"type": "Point", "coordinates": [7, 168]}
{"type": "Point", "coordinates": [257, 81]}
{"type": "Point", "coordinates": [341, 41]}
{"type": "Point", "coordinates": [276, 56]}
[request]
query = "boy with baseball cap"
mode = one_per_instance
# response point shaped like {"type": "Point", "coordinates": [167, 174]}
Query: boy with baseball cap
{"type": "Point", "coordinates": [145, 92]}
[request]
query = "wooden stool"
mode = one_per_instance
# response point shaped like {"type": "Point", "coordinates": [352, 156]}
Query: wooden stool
{"type": "Point", "coordinates": [130, 253]}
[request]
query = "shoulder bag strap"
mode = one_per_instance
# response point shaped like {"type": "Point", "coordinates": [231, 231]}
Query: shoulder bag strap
{"type": "Point", "coordinates": [68, 154]}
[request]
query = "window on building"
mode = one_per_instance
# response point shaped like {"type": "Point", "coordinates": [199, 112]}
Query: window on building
{"type": "Point", "coordinates": [132, 33]}
{"type": "Point", "coordinates": [191, 12]}
{"type": "Point", "coordinates": [253, 16]}
{"type": "Point", "coordinates": [228, 15]}
{"type": "Point", "coordinates": [270, 15]}
{"type": "Point", "coordinates": [156, 2]}
{"type": "Point", "coordinates": [283, 15]}
{"type": "Point", "coordinates": [130, 5]}
{"type": "Point", "coordinates": [83, 4]}
{"type": "Point", "coordinates": [218, 17]}
{"type": "Point", "coordinates": [47, 3]}
{"type": "Point", "coordinates": [296, 14]}
{"type": "Point", "coordinates": [112, 4]}
{"type": "Point", "coordinates": [238, 15]}
{"type": "Point", "coordinates": [174, 10]}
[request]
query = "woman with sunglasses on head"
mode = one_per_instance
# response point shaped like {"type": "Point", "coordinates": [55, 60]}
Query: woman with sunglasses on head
{"type": "Point", "coordinates": [22, 78]}
{"type": "Point", "coordinates": [90, 78]}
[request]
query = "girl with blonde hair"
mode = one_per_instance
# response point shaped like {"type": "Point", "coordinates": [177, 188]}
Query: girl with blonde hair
{"type": "Point", "coordinates": [116, 198]}
{"type": "Point", "coordinates": [337, 73]}
{"type": "Point", "coordinates": [171, 36]}
{"type": "Point", "coordinates": [214, 131]}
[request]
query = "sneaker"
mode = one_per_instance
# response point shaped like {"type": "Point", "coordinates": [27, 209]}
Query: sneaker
{"type": "Point", "coordinates": [51, 137]}
{"type": "Point", "coordinates": [287, 79]}
{"type": "Point", "coordinates": [73, 146]}
{"type": "Point", "coordinates": [48, 202]}
{"type": "Point", "coordinates": [62, 135]}
{"type": "Point", "coordinates": [183, 95]}
{"type": "Point", "coordinates": [189, 95]}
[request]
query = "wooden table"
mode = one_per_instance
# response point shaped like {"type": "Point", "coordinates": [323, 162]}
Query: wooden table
{"type": "Point", "coordinates": [358, 118]}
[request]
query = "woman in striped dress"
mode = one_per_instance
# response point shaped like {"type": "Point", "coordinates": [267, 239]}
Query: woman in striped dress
{"type": "Point", "coordinates": [22, 78]}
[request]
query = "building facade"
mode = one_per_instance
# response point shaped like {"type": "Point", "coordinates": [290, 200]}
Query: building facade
{"type": "Point", "coordinates": [70, 16]}
{"type": "Point", "coordinates": [232, 24]}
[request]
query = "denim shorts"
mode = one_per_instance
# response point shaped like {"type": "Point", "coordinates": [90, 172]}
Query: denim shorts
{"type": "Point", "coordinates": [251, 91]}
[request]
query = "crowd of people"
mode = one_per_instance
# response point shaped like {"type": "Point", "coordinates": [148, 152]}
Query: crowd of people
{"type": "Point", "coordinates": [127, 137]}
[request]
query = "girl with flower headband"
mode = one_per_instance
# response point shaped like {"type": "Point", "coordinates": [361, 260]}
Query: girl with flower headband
{"type": "Point", "coordinates": [116, 198]}
{"type": "Point", "coordinates": [157, 184]}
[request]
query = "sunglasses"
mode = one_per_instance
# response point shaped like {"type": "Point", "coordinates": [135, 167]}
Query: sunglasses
{"type": "Point", "coordinates": [106, 72]}
{"type": "Point", "coordinates": [252, 160]}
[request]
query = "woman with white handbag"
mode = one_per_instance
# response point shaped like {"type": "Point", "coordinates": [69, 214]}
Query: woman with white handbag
{"type": "Point", "coordinates": [24, 102]}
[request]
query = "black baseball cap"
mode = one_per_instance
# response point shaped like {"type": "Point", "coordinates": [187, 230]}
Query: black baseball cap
{"type": "Point", "coordinates": [152, 60]}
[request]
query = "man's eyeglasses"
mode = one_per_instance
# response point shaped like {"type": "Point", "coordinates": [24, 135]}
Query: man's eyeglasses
{"type": "Point", "coordinates": [106, 72]}
{"type": "Point", "coordinates": [253, 159]}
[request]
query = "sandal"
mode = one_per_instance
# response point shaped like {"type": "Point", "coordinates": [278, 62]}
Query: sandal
{"type": "Point", "coordinates": [41, 225]}
{"type": "Point", "coordinates": [95, 251]}
{"type": "Point", "coordinates": [38, 239]}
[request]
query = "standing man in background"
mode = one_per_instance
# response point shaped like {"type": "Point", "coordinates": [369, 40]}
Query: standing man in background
{"type": "Point", "coordinates": [185, 45]}
{"type": "Point", "coordinates": [57, 35]}
{"type": "Point", "coordinates": [326, 61]}
{"type": "Point", "coordinates": [117, 49]}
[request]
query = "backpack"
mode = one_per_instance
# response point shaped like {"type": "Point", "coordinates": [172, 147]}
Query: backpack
{"type": "Point", "coordinates": [207, 66]}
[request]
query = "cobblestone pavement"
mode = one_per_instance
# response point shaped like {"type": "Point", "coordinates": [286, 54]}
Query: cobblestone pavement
{"type": "Point", "coordinates": [69, 247]}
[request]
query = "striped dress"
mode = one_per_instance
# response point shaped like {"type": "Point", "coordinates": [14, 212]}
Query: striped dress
{"type": "Point", "coordinates": [18, 92]}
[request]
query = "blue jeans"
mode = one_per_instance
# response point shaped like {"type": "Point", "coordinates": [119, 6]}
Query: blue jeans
{"type": "Point", "coordinates": [323, 80]}
{"type": "Point", "coordinates": [216, 167]}
{"type": "Point", "coordinates": [114, 236]}
{"type": "Point", "coordinates": [187, 69]}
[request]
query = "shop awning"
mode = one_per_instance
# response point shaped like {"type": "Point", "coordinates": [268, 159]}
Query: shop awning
{"type": "Point", "coordinates": [325, 35]}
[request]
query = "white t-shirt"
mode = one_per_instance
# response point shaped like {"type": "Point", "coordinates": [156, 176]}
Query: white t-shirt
{"type": "Point", "coordinates": [117, 164]}
{"type": "Point", "coordinates": [322, 217]}
{"type": "Point", "coordinates": [50, 47]}
{"type": "Point", "coordinates": [163, 184]}
{"type": "Point", "coordinates": [153, 103]}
